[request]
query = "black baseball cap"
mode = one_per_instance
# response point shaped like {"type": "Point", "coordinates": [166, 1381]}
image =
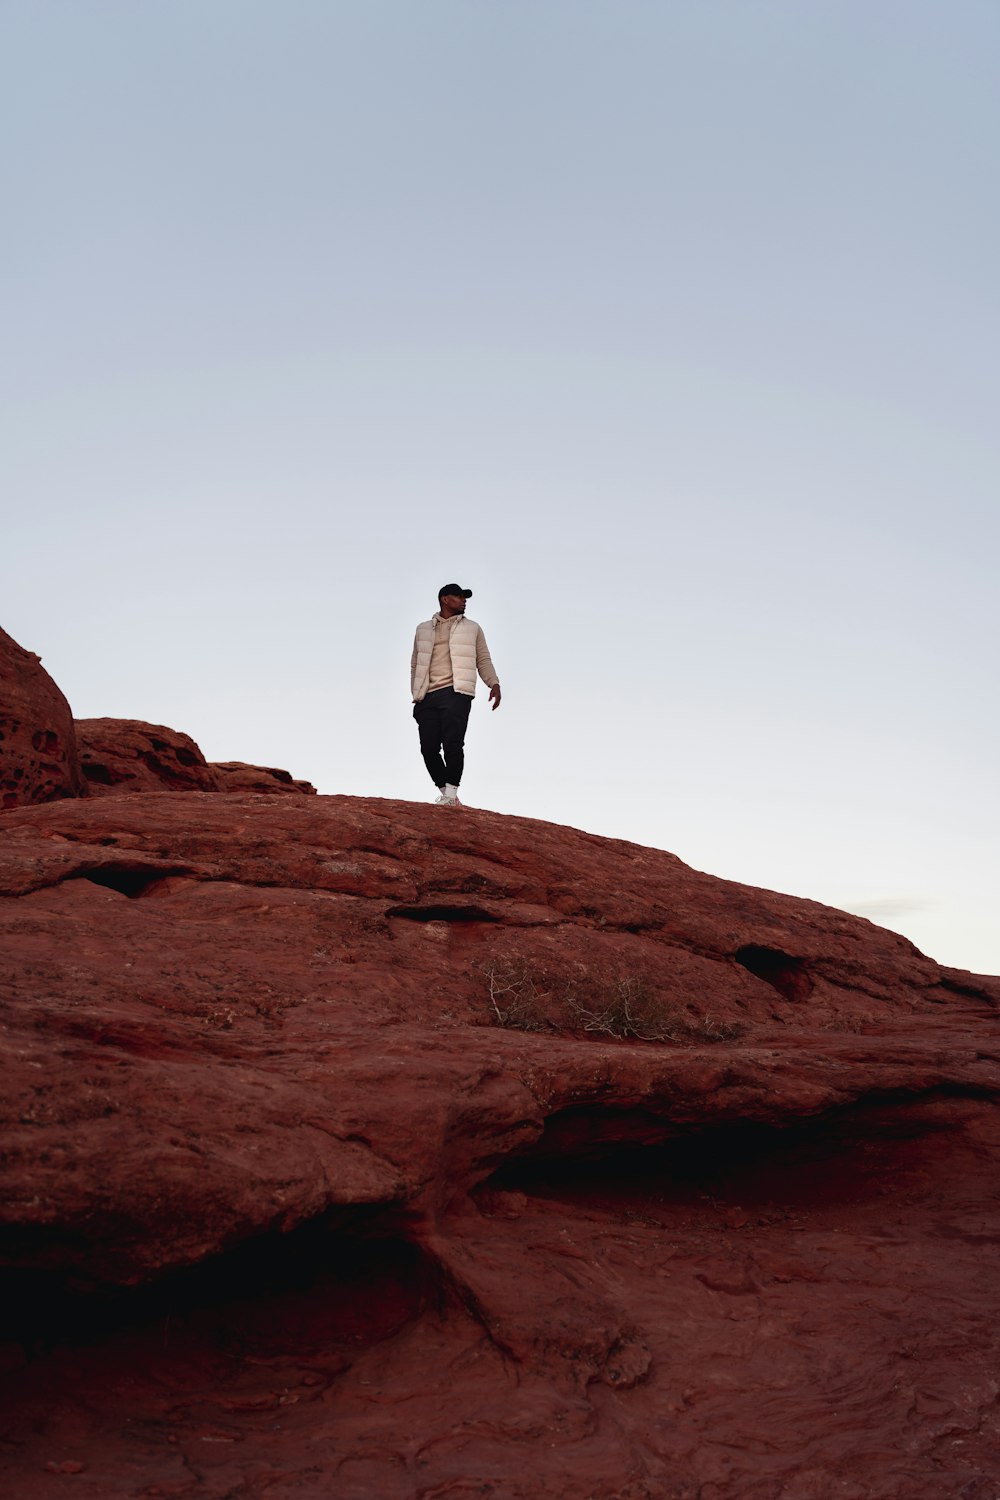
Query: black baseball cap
{"type": "Point", "coordinates": [455, 588]}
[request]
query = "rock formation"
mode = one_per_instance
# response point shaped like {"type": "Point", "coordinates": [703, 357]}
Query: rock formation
{"type": "Point", "coordinates": [38, 755]}
{"type": "Point", "coordinates": [356, 1148]}
{"type": "Point", "coordinates": [238, 776]}
{"type": "Point", "coordinates": [126, 755]}
{"type": "Point", "coordinates": [45, 754]}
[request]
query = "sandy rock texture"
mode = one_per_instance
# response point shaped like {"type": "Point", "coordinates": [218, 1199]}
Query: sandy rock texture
{"type": "Point", "coordinates": [358, 1148]}
{"type": "Point", "coordinates": [38, 751]}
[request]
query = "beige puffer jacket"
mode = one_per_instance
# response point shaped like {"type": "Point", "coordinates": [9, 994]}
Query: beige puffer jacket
{"type": "Point", "coordinates": [469, 655]}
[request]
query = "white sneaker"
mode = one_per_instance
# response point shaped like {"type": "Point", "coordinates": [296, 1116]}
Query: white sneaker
{"type": "Point", "coordinates": [445, 801]}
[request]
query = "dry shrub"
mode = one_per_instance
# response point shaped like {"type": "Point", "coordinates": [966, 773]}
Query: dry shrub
{"type": "Point", "coordinates": [516, 993]}
{"type": "Point", "coordinates": [624, 1006]}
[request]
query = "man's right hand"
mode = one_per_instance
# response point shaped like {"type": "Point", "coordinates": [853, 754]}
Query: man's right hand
{"type": "Point", "coordinates": [495, 696]}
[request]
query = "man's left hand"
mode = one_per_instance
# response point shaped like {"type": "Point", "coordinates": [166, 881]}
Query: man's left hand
{"type": "Point", "coordinates": [495, 696]}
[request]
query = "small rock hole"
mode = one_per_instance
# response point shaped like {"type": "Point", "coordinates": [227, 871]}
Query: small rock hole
{"type": "Point", "coordinates": [129, 880]}
{"type": "Point", "coordinates": [788, 975]}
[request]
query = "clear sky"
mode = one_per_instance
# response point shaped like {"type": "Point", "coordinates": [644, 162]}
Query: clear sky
{"type": "Point", "coordinates": [669, 327]}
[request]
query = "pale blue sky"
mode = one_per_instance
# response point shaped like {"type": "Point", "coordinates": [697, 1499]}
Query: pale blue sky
{"type": "Point", "coordinates": [670, 329]}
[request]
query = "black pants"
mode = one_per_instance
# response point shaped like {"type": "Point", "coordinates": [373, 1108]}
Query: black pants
{"type": "Point", "coordinates": [441, 719]}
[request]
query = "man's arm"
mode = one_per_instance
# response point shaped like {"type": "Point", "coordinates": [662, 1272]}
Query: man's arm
{"type": "Point", "coordinates": [413, 661]}
{"type": "Point", "coordinates": [486, 669]}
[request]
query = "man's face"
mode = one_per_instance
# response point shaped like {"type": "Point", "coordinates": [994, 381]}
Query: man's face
{"type": "Point", "coordinates": [452, 604]}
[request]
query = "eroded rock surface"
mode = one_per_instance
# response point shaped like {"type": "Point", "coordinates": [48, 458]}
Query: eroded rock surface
{"type": "Point", "coordinates": [238, 776]}
{"type": "Point", "coordinates": [361, 1148]}
{"type": "Point", "coordinates": [38, 751]}
{"type": "Point", "coordinates": [128, 755]}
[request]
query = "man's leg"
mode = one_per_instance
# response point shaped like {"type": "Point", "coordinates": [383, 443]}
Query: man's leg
{"type": "Point", "coordinates": [429, 716]}
{"type": "Point", "coordinates": [455, 719]}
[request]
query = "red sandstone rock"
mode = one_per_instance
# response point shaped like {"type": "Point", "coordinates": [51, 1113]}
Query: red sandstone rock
{"type": "Point", "coordinates": [125, 755]}
{"type": "Point", "coordinates": [237, 776]}
{"type": "Point", "coordinates": [38, 752]}
{"type": "Point", "coordinates": [46, 755]}
{"type": "Point", "coordinates": [376, 1072]}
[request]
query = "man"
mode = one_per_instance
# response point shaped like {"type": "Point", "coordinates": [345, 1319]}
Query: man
{"type": "Point", "coordinates": [448, 651]}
